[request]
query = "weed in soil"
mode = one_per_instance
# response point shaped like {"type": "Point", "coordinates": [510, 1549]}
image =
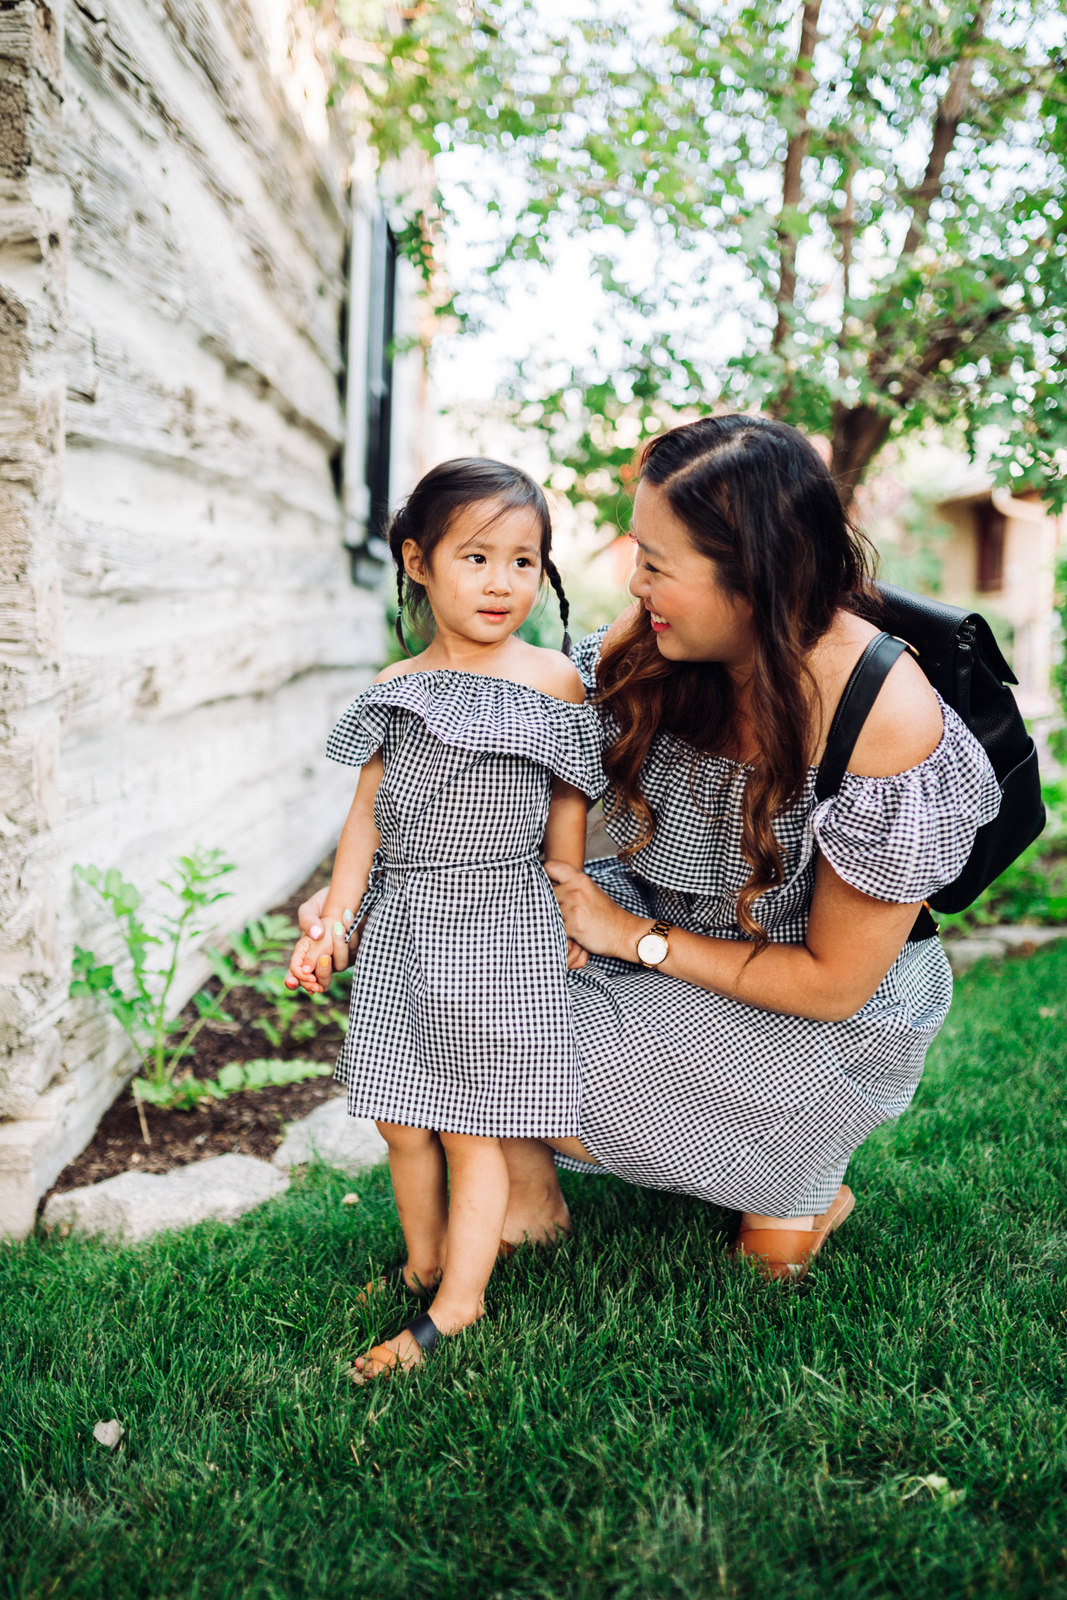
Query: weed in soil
{"type": "Point", "coordinates": [250, 1124]}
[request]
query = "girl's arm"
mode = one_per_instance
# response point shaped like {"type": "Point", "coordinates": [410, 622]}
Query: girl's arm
{"type": "Point", "coordinates": [565, 843]}
{"type": "Point", "coordinates": [312, 962]}
{"type": "Point", "coordinates": [565, 828]}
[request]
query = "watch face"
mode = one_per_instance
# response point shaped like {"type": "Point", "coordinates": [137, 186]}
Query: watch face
{"type": "Point", "coordinates": [652, 949]}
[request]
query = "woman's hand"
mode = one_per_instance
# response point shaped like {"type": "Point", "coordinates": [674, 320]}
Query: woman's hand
{"type": "Point", "coordinates": [335, 952]}
{"type": "Point", "coordinates": [592, 918]}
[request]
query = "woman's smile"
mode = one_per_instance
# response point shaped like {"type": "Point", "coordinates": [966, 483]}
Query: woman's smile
{"type": "Point", "coordinates": [659, 624]}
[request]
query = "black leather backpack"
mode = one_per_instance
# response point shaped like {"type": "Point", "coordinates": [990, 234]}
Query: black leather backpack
{"type": "Point", "coordinates": [957, 651]}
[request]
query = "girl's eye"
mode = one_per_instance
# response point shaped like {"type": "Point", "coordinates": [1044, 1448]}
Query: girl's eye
{"type": "Point", "coordinates": [523, 561]}
{"type": "Point", "coordinates": [475, 556]}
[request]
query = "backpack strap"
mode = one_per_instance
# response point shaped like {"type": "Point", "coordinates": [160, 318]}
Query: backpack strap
{"type": "Point", "coordinates": [860, 693]}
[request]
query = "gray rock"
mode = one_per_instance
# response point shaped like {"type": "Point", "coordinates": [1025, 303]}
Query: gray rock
{"type": "Point", "coordinates": [329, 1134]}
{"type": "Point", "coordinates": [995, 943]}
{"type": "Point", "coordinates": [963, 953]}
{"type": "Point", "coordinates": [1023, 933]}
{"type": "Point", "coordinates": [136, 1205]}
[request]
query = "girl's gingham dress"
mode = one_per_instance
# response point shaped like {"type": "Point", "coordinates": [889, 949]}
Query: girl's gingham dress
{"type": "Point", "coordinates": [459, 1017]}
{"type": "Point", "coordinates": [685, 1090]}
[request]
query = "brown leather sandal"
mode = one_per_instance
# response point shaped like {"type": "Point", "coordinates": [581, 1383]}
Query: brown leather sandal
{"type": "Point", "coordinates": [786, 1253]}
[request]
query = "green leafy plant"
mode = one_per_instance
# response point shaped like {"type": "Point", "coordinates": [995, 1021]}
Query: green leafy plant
{"type": "Point", "coordinates": [142, 1007]}
{"type": "Point", "coordinates": [235, 1077]}
{"type": "Point", "coordinates": [296, 1015]}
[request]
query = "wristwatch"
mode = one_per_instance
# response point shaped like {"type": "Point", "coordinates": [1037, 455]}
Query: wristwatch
{"type": "Point", "coordinates": [652, 947]}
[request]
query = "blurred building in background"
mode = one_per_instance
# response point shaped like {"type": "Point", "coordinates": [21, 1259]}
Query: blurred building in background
{"type": "Point", "coordinates": [1000, 557]}
{"type": "Point", "coordinates": [200, 418]}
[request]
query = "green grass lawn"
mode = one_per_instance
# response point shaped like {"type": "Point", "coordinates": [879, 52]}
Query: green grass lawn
{"type": "Point", "coordinates": [635, 1417]}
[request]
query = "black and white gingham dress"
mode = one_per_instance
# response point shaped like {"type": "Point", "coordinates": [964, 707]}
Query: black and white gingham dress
{"type": "Point", "coordinates": [685, 1090]}
{"type": "Point", "coordinates": [459, 1016]}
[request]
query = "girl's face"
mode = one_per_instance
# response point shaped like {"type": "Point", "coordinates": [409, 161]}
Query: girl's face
{"type": "Point", "coordinates": [692, 616]}
{"type": "Point", "coordinates": [483, 577]}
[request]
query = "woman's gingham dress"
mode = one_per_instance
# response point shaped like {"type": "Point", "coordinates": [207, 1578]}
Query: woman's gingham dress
{"type": "Point", "coordinates": [685, 1090]}
{"type": "Point", "coordinates": [459, 1017]}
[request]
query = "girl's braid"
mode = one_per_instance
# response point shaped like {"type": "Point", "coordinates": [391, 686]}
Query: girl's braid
{"type": "Point", "coordinates": [564, 604]}
{"type": "Point", "coordinates": [398, 625]}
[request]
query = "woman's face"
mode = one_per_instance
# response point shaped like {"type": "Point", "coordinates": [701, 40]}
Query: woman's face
{"type": "Point", "coordinates": [691, 614]}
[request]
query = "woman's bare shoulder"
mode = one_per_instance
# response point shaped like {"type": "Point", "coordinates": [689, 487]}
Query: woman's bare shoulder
{"type": "Point", "coordinates": [905, 724]}
{"type": "Point", "coordinates": [621, 623]}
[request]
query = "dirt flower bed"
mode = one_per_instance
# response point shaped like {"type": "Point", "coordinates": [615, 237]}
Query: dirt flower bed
{"type": "Point", "coordinates": [248, 1124]}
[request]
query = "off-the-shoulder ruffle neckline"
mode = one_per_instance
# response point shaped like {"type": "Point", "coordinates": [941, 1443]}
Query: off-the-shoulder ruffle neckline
{"type": "Point", "coordinates": [477, 677]}
{"type": "Point", "coordinates": [857, 777]}
{"type": "Point", "coordinates": [747, 766]}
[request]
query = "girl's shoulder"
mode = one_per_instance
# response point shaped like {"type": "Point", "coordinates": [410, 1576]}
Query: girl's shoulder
{"type": "Point", "coordinates": [398, 669]}
{"type": "Point", "coordinates": [543, 721]}
{"type": "Point", "coordinates": [551, 673]}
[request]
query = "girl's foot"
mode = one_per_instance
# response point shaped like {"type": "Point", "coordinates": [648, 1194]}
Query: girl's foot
{"type": "Point", "coordinates": [400, 1354]}
{"type": "Point", "coordinates": [400, 1276]}
{"type": "Point", "coordinates": [406, 1351]}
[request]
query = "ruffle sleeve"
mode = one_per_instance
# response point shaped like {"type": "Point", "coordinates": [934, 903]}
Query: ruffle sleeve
{"type": "Point", "coordinates": [585, 655]}
{"type": "Point", "coordinates": [478, 713]}
{"type": "Point", "coordinates": [903, 837]}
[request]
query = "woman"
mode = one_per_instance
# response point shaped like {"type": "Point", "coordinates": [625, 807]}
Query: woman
{"type": "Point", "coordinates": [752, 1006]}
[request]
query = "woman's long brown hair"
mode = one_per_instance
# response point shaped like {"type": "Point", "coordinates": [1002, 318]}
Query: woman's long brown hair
{"type": "Point", "coordinates": [758, 501]}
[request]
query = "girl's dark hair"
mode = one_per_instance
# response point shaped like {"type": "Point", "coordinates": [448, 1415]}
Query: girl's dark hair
{"type": "Point", "coordinates": [756, 499]}
{"type": "Point", "coordinates": [427, 514]}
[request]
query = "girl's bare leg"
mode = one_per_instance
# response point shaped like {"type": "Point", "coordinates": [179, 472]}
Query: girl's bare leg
{"type": "Point", "coordinates": [420, 1187]}
{"type": "Point", "coordinates": [478, 1199]}
{"type": "Point", "coordinates": [536, 1209]}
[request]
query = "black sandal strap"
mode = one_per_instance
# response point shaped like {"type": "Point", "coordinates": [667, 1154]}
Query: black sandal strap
{"type": "Point", "coordinates": [424, 1331]}
{"type": "Point", "coordinates": [393, 1278]}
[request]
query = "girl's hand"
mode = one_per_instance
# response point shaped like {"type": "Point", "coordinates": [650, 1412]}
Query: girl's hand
{"type": "Point", "coordinates": [311, 966]}
{"type": "Point", "coordinates": [319, 954]}
{"type": "Point", "coordinates": [593, 920]}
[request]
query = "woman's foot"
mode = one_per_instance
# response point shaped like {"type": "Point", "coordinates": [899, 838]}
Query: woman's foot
{"type": "Point", "coordinates": [537, 1213]}
{"type": "Point", "coordinates": [784, 1247]}
{"type": "Point", "coordinates": [535, 1232]}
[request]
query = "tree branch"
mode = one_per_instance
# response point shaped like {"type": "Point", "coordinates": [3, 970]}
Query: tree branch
{"type": "Point", "coordinates": [792, 172]}
{"type": "Point", "coordinates": [946, 125]}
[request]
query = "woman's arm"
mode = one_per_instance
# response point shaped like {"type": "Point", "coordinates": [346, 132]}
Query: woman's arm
{"type": "Point", "coordinates": [852, 941]}
{"type": "Point", "coordinates": [313, 959]}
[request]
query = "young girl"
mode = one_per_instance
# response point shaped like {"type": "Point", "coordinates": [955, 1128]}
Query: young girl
{"type": "Point", "coordinates": [475, 754]}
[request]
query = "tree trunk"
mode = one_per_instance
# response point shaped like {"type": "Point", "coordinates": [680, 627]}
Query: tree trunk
{"type": "Point", "coordinates": [859, 433]}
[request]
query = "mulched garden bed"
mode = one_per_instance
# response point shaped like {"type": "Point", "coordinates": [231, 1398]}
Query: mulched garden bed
{"type": "Point", "coordinates": [248, 1124]}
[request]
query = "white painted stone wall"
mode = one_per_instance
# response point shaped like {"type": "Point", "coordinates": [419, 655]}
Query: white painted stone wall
{"type": "Point", "coordinates": [178, 626]}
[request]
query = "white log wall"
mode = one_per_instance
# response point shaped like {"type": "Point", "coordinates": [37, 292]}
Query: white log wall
{"type": "Point", "coordinates": [177, 623]}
